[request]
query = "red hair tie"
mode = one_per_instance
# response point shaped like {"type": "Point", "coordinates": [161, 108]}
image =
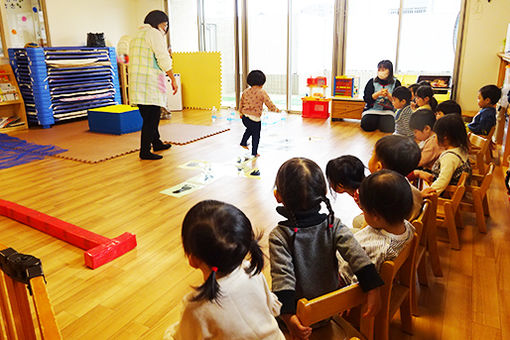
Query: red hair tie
{"type": "Point", "coordinates": [214, 269]}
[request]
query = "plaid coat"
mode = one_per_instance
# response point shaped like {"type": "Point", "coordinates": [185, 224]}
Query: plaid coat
{"type": "Point", "coordinates": [149, 61]}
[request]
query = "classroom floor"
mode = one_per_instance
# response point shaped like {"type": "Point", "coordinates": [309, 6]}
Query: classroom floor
{"type": "Point", "coordinates": [138, 295]}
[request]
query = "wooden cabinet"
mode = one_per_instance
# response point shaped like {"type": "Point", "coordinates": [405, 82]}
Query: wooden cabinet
{"type": "Point", "coordinates": [11, 102]}
{"type": "Point", "coordinates": [346, 107]}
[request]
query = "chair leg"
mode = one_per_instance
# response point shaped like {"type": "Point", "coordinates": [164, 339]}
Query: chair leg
{"type": "Point", "coordinates": [458, 220]}
{"type": "Point", "coordinates": [422, 271]}
{"type": "Point", "coordinates": [480, 216]}
{"type": "Point", "coordinates": [415, 297]}
{"type": "Point", "coordinates": [382, 325]}
{"type": "Point", "coordinates": [422, 279]}
{"type": "Point", "coordinates": [451, 227]}
{"type": "Point", "coordinates": [405, 316]}
{"type": "Point", "coordinates": [435, 263]}
{"type": "Point", "coordinates": [485, 205]}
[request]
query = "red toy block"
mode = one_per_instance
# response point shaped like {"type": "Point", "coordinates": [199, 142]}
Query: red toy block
{"type": "Point", "coordinates": [101, 249]}
{"type": "Point", "coordinates": [106, 252]}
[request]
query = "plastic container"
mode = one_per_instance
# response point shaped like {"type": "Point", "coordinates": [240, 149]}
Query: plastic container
{"type": "Point", "coordinates": [115, 119]}
{"type": "Point", "coordinates": [315, 109]}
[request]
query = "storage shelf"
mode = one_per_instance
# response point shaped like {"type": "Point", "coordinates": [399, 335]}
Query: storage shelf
{"type": "Point", "coordinates": [14, 128]}
{"type": "Point", "coordinates": [12, 108]}
{"type": "Point", "coordinates": [11, 102]}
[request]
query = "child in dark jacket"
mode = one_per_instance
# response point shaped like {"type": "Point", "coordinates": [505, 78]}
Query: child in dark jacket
{"type": "Point", "coordinates": [303, 247]}
{"type": "Point", "coordinates": [488, 97]}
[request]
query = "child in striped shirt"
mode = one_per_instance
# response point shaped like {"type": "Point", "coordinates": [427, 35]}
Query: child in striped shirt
{"type": "Point", "coordinates": [386, 199]}
{"type": "Point", "coordinates": [401, 99]}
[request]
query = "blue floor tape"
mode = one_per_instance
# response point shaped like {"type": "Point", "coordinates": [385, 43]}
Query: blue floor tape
{"type": "Point", "coordinates": [15, 151]}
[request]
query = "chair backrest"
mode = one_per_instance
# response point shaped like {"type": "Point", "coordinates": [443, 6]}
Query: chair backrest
{"type": "Point", "coordinates": [390, 269]}
{"type": "Point", "coordinates": [483, 143]}
{"type": "Point", "coordinates": [16, 309]}
{"type": "Point", "coordinates": [459, 191]}
{"type": "Point", "coordinates": [331, 304]}
{"type": "Point", "coordinates": [402, 266]}
{"type": "Point", "coordinates": [487, 179]}
{"type": "Point", "coordinates": [420, 222]}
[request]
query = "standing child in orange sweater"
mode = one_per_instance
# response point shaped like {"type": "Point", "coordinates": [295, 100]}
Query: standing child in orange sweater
{"type": "Point", "coordinates": [252, 101]}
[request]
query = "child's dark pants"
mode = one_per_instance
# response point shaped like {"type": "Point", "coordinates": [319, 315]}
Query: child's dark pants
{"type": "Point", "coordinates": [253, 130]}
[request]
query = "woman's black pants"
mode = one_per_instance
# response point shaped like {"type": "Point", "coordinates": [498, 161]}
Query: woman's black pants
{"type": "Point", "coordinates": [150, 134]}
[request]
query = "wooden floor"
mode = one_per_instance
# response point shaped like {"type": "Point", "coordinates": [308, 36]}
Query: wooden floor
{"type": "Point", "coordinates": [138, 295]}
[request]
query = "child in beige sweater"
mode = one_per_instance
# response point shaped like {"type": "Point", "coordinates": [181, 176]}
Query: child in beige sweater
{"type": "Point", "coordinates": [422, 123]}
{"type": "Point", "coordinates": [252, 101]}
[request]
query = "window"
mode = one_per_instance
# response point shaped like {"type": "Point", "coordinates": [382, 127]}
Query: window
{"type": "Point", "coordinates": [312, 45]}
{"type": "Point", "coordinates": [267, 45]}
{"type": "Point", "coordinates": [372, 30]}
{"type": "Point", "coordinates": [183, 25]}
{"type": "Point", "coordinates": [421, 35]}
{"type": "Point", "coordinates": [427, 38]}
{"type": "Point", "coordinates": [219, 36]}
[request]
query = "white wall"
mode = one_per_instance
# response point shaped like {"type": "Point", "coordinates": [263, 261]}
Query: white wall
{"type": "Point", "coordinates": [143, 7]}
{"type": "Point", "coordinates": [486, 26]}
{"type": "Point", "coordinates": [70, 21]}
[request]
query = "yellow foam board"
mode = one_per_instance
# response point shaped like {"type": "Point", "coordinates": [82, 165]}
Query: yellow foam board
{"type": "Point", "coordinates": [200, 78]}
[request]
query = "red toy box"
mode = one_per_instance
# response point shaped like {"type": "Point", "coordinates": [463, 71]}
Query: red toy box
{"type": "Point", "coordinates": [315, 108]}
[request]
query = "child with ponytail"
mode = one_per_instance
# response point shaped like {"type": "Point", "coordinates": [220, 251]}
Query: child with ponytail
{"type": "Point", "coordinates": [424, 98]}
{"type": "Point", "coordinates": [234, 302]}
{"type": "Point", "coordinates": [303, 247]}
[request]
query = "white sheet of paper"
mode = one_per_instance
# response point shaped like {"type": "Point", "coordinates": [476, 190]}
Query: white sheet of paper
{"type": "Point", "coordinates": [182, 189]}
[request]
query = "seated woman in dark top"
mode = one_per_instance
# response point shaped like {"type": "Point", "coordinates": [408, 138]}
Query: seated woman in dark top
{"type": "Point", "coordinates": [379, 112]}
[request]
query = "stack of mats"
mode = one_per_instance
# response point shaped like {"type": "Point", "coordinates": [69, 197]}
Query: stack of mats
{"type": "Point", "coordinates": [59, 83]}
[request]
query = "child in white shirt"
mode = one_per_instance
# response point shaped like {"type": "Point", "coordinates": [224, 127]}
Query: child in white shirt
{"type": "Point", "coordinates": [234, 302]}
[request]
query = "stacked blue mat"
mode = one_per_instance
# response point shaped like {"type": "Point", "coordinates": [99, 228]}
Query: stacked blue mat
{"type": "Point", "coordinates": [55, 92]}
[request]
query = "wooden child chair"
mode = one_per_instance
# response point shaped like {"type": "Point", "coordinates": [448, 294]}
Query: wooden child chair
{"type": "Point", "coordinates": [426, 222]}
{"type": "Point", "coordinates": [396, 292]}
{"type": "Point", "coordinates": [19, 272]}
{"type": "Point", "coordinates": [478, 200]}
{"type": "Point", "coordinates": [332, 304]}
{"type": "Point", "coordinates": [448, 212]}
{"type": "Point", "coordinates": [480, 150]}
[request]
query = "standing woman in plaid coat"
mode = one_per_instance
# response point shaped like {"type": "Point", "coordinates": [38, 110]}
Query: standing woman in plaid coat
{"type": "Point", "coordinates": [149, 64]}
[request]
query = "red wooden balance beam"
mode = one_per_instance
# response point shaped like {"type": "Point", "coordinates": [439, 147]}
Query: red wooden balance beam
{"type": "Point", "coordinates": [99, 249]}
